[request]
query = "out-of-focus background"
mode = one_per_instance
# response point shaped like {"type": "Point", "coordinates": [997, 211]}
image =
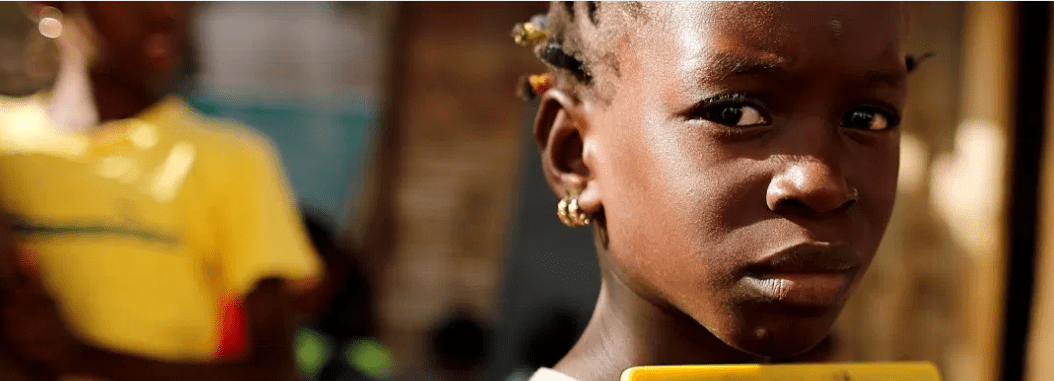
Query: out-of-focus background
{"type": "Point", "coordinates": [400, 121]}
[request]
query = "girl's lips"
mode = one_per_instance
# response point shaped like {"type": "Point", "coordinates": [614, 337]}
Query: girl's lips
{"type": "Point", "coordinates": [802, 289]}
{"type": "Point", "coordinates": [810, 274]}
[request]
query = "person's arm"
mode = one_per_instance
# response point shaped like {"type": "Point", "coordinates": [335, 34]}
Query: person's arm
{"type": "Point", "coordinates": [11, 369]}
{"type": "Point", "coordinates": [270, 356]}
{"type": "Point", "coordinates": [39, 339]}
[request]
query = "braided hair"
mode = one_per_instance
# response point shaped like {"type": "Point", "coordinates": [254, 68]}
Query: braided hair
{"type": "Point", "coordinates": [574, 39]}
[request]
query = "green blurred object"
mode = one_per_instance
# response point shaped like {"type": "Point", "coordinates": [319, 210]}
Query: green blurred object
{"type": "Point", "coordinates": [312, 351]}
{"type": "Point", "coordinates": [370, 357]}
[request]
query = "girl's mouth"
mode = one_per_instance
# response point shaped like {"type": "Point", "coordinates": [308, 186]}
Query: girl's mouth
{"type": "Point", "coordinates": [802, 289]}
{"type": "Point", "coordinates": [812, 274]}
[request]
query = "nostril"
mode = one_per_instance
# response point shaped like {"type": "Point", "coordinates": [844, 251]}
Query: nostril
{"type": "Point", "coordinates": [800, 207]}
{"type": "Point", "coordinates": [793, 206]}
{"type": "Point", "coordinates": [844, 207]}
{"type": "Point", "coordinates": [854, 195]}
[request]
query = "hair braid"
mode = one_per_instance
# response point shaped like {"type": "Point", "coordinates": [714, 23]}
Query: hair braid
{"type": "Point", "coordinates": [568, 46]}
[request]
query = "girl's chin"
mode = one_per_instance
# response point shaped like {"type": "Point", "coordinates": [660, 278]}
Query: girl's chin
{"type": "Point", "coordinates": [790, 346]}
{"type": "Point", "coordinates": [805, 338]}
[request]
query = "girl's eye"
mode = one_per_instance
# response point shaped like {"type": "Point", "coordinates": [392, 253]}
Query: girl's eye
{"type": "Point", "coordinates": [867, 119]}
{"type": "Point", "coordinates": [739, 115]}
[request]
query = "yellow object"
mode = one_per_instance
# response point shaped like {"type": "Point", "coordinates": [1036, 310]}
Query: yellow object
{"type": "Point", "coordinates": [540, 83]}
{"type": "Point", "coordinates": [892, 371]}
{"type": "Point", "coordinates": [146, 229]}
{"type": "Point", "coordinates": [527, 34]}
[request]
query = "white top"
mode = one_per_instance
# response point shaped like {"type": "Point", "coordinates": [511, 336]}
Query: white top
{"type": "Point", "coordinates": [546, 374]}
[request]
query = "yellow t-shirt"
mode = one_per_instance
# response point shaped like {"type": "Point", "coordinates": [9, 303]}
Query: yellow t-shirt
{"type": "Point", "coordinates": [147, 230]}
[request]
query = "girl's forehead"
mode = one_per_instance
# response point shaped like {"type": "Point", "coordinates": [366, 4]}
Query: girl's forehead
{"type": "Point", "coordinates": [683, 51]}
{"type": "Point", "coordinates": [775, 33]}
{"type": "Point", "coordinates": [772, 19]}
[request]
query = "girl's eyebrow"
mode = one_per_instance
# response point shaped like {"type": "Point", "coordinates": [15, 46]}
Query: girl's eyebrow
{"type": "Point", "coordinates": [746, 66]}
{"type": "Point", "coordinates": [723, 66]}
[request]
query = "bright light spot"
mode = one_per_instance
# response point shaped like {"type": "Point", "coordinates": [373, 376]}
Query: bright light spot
{"type": "Point", "coordinates": [27, 130]}
{"type": "Point", "coordinates": [173, 171]}
{"type": "Point", "coordinates": [143, 137]}
{"type": "Point", "coordinates": [967, 185]}
{"type": "Point", "coordinates": [50, 27]}
{"type": "Point", "coordinates": [113, 167]}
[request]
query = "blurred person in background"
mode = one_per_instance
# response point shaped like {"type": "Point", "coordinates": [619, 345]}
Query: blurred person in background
{"type": "Point", "coordinates": [162, 245]}
{"type": "Point", "coordinates": [336, 338]}
{"type": "Point", "coordinates": [738, 163]}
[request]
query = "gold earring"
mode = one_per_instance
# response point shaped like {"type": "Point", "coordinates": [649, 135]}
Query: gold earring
{"type": "Point", "coordinates": [49, 24]}
{"type": "Point", "coordinates": [570, 213]}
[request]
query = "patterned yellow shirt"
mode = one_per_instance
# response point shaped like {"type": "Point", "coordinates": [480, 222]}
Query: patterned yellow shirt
{"type": "Point", "coordinates": [148, 230]}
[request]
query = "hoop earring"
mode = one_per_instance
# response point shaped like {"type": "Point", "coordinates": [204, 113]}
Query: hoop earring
{"type": "Point", "coordinates": [570, 213]}
{"type": "Point", "coordinates": [49, 22]}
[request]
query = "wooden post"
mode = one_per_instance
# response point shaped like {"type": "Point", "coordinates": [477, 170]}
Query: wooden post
{"type": "Point", "coordinates": [986, 110]}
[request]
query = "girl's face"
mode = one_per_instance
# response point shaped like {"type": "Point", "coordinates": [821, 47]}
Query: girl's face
{"type": "Point", "coordinates": [746, 161]}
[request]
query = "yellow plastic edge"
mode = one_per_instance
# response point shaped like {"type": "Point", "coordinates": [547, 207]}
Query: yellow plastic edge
{"type": "Point", "coordinates": [900, 371]}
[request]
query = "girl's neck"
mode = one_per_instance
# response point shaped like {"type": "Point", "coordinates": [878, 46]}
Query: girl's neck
{"type": "Point", "coordinates": [627, 330]}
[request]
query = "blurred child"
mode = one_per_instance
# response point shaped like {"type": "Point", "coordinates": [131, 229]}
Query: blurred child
{"type": "Point", "coordinates": [167, 246]}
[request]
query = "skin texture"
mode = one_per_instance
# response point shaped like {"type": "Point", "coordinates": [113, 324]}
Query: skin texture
{"type": "Point", "coordinates": [137, 47]}
{"type": "Point", "coordinates": [691, 207]}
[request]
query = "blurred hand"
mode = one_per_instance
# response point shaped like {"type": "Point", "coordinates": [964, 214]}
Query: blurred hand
{"type": "Point", "coordinates": [33, 330]}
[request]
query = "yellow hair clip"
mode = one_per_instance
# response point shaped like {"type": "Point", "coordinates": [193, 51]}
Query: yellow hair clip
{"type": "Point", "coordinates": [527, 34]}
{"type": "Point", "coordinates": [540, 83]}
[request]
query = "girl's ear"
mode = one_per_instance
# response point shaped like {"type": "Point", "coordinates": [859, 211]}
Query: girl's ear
{"type": "Point", "coordinates": [558, 131]}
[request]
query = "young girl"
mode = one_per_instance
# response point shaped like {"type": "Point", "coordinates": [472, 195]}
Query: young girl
{"type": "Point", "coordinates": [738, 162]}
